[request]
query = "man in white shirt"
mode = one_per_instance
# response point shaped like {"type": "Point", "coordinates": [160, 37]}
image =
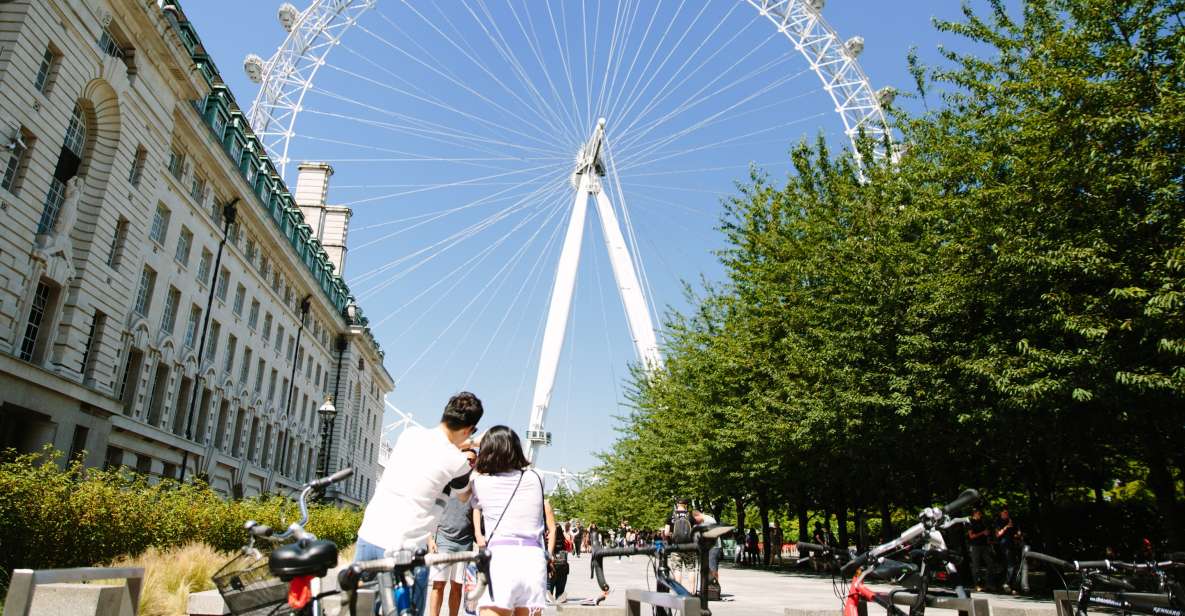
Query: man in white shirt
{"type": "Point", "coordinates": [424, 468]}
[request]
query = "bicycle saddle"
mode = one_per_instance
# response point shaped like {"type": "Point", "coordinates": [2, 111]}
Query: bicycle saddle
{"type": "Point", "coordinates": [303, 558]}
{"type": "Point", "coordinates": [893, 571]}
{"type": "Point", "coordinates": [714, 532]}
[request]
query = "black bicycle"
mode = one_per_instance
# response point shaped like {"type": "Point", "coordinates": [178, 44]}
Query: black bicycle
{"type": "Point", "coordinates": [1104, 584]}
{"type": "Point", "coordinates": [290, 576]}
{"type": "Point", "coordinates": [703, 539]}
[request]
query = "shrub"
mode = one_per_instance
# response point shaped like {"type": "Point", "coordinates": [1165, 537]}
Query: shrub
{"type": "Point", "coordinates": [54, 517]}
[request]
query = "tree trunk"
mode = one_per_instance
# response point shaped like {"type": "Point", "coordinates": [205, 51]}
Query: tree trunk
{"type": "Point", "coordinates": [860, 534]}
{"type": "Point", "coordinates": [1160, 480]}
{"type": "Point", "coordinates": [804, 523]}
{"type": "Point", "coordinates": [740, 504]}
{"type": "Point", "coordinates": [763, 508]}
{"type": "Point", "coordinates": [886, 519]}
{"type": "Point", "coordinates": [841, 518]}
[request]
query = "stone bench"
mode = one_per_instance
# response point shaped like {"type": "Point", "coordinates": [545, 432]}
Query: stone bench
{"type": "Point", "coordinates": [57, 592]}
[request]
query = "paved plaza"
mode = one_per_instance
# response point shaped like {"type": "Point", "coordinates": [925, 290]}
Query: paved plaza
{"type": "Point", "coordinates": [750, 591]}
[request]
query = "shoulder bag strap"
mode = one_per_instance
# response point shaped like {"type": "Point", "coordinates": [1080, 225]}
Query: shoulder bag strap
{"type": "Point", "coordinates": [508, 501]}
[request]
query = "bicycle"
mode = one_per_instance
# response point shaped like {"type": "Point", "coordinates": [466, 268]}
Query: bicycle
{"type": "Point", "coordinates": [702, 540]}
{"type": "Point", "coordinates": [394, 577]}
{"type": "Point", "coordinates": [1168, 601]}
{"type": "Point", "coordinates": [249, 585]}
{"type": "Point", "coordinates": [923, 544]}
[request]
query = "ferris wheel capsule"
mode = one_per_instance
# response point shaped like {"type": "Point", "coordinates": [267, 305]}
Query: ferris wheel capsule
{"type": "Point", "coordinates": [288, 15]}
{"type": "Point", "coordinates": [854, 46]}
{"type": "Point", "coordinates": [817, 5]}
{"type": "Point", "coordinates": [253, 66]}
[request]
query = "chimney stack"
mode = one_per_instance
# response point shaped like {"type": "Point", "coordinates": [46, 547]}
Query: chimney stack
{"type": "Point", "coordinates": [330, 223]}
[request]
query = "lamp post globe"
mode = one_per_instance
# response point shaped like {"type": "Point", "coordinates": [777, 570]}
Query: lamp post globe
{"type": "Point", "coordinates": [328, 414]}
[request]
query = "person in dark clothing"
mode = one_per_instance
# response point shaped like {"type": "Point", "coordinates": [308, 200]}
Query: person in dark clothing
{"type": "Point", "coordinates": [558, 568]}
{"type": "Point", "coordinates": [977, 536]}
{"type": "Point", "coordinates": [1008, 538]}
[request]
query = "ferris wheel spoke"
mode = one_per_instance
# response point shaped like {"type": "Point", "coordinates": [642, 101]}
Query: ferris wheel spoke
{"type": "Point", "coordinates": [554, 167]}
{"type": "Point", "coordinates": [453, 80]}
{"type": "Point", "coordinates": [722, 142]}
{"type": "Point", "coordinates": [644, 88]}
{"type": "Point", "coordinates": [404, 156]}
{"type": "Point", "coordinates": [465, 269]}
{"type": "Point", "coordinates": [451, 240]}
{"type": "Point", "coordinates": [533, 277]}
{"type": "Point", "coordinates": [571, 120]}
{"type": "Point", "coordinates": [723, 114]}
{"type": "Point", "coordinates": [470, 233]}
{"type": "Point", "coordinates": [434, 131]}
{"type": "Point", "coordinates": [466, 50]}
{"type": "Point", "coordinates": [444, 106]}
{"type": "Point", "coordinates": [501, 277]}
{"type": "Point", "coordinates": [489, 27]}
{"type": "Point", "coordinates": [565, 62]}
{"type": "Point", "coordinates": [622, 20]}
{"type": "Point", "coordinates": [626, 80]}
{"type": "Point", "coordinates": [665, 90]}
{"type": "Point", "coordinates": [697, 100]}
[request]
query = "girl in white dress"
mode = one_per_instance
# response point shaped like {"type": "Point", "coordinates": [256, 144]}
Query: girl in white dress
{"type": "Point", "coordinates": [509, 513]}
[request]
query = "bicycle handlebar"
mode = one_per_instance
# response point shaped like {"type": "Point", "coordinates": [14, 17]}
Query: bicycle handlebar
{"type": "Point", "coordinates": [931, 517]}
{"type": "Point", "coordinates": [598, 567]}
{"type": "Point", "coordinates": [297, 528]}
{"type": "Point", "coordinates": [323, 482]}
{"type": "Point", "coordinates": [812, 547]}
{"type": "Point", "coordinates": [349, 577]}
{"type": "Point", "coordinates": [968, 497]}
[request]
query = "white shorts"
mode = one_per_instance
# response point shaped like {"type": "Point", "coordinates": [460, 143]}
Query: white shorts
{"type": "Point", "coordinates": [454, 572]}
{"type": "Point", "coordinates": [518, 577]}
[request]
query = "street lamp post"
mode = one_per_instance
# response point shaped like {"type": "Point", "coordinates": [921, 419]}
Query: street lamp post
{"type": "Point", "coordinates": [228, 219]}
{"type": "Point", "coordinates": [304, 311]}
{"type": "Point", "coordinates": [328, 414]}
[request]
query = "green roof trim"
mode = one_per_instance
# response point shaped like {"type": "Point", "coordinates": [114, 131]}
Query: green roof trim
{"type": "Point", "coordinates": [226, 121]}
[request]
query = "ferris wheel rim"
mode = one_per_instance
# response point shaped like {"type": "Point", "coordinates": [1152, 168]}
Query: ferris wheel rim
{"type": "Point", "coordinates": [321, 26]}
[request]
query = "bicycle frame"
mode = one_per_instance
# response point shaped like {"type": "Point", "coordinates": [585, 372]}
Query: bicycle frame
{"type": "Point", "coordinates": [1124, 601]}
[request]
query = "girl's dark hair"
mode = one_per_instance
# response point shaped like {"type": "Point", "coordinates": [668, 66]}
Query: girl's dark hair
{"type": "Point", "coordinates": [500, 452]}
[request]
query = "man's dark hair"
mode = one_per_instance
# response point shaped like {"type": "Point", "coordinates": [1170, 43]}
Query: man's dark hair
{"type": "Point", "coordinates": [686, 502]}
{"type": "Point", "coordinates": [501, 451]}
{"type": "Point", "coordinates": [462, 411]}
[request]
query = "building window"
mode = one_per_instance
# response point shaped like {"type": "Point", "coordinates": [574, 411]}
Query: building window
{"type": "Point", "coordinates": [279, 338]}
{"type": "Point", "coordinates": [184, 243]}
{"type": "Point", "coordinates": [267, 327]}
{"type": "Point", "coordinates": [291, 347]}
{"type": "Point", "coordinates": [245, 369]}
{"type": "Point", "coordinates": [116, 46]}
{"type": "Point", "coordinates": [223, 283]}
{"type": "Point", "coordinates": [271, 387]}
{"type": "Point", "coordinates": [48, 69]}
{"type": "Point", "coordinates": [78, 442]}
{"type": "Point", "coordinates": [33, 327]}
{"type": "Point", "coordinates": [197, 188]}
{"type": "Point", "coordinates": [231, 344]}
{"type": "Point", "coordinates": [191, 326]}
{"type": "Point", "coordinates": [53, 202]}
{"type": "Point", "coordinates": [249, 251]}
{"type": "Point", "coordinates": [76, 132]}
{"type": "Point", "coordinates": [108, 45]}
{"type": "Point", "coordinates": [93, 338]}
{"type": "Point", "coordinates": [240, 294]}
{"type": "Point", "coordinates": [207, 260]}
{"type": "Point", "coordinates": [212, 342]}
{"type": "Point", "coordinates": [259, 375]}
{"type": "Point", "coordinates": [144, 293]}
{"type": "Point", "coordinates": [131, 379]}
{"type": "Point", "coordinates": [253, 316]}
{"type": "Point", "coordinates": [14, 169]}
{"type": "Point", "coordinates": [160, 224]}
{"type": "Point", "coordinates": [137, 170]}
{"type": "Point", "coordinates": [177, 163]}
{"type": "Point", "coordinates": [118, 240]}
{"type": "Point", "coordinates": [169, 319]}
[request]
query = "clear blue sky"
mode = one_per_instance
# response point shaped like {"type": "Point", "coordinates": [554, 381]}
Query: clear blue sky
{"type": "Point", "coordinates": [453, 133]}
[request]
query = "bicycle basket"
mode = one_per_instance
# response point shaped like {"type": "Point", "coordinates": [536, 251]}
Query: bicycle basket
{"type": "Point", "coordinates": [248, 588]}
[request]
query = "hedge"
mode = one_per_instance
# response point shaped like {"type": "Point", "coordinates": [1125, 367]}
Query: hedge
{"type": "Point", "coordinates": [54, 516]}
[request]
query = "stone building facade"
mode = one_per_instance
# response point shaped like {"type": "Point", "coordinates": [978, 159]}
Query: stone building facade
{"type": "Point", "coordinates": [119, 148]}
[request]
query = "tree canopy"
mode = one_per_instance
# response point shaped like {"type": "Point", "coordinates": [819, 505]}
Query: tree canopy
{"type": "Point", "coordinates": [1001, 307]}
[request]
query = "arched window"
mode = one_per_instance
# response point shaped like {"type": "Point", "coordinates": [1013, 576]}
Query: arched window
{"type": "Point", "coordinates": [69, 162]}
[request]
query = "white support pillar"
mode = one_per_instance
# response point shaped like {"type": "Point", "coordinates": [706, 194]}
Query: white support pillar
{"type": "Point", "coordinates": [636, 311]}
{"type": "Point", "coordinates": [557, 317]}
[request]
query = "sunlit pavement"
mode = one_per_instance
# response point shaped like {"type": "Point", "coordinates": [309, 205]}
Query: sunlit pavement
{"type": "Point", "coordinates": [746, 591]}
